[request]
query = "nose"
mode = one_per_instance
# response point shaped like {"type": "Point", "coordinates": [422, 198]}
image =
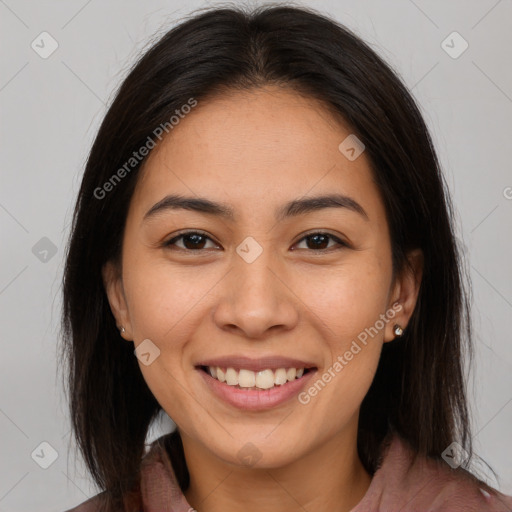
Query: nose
{"type": "Point", "coordinates": [257, 298]}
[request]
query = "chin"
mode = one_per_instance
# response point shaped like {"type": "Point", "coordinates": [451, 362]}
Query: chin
{"type": "Point", "coordinates": [258, 452]}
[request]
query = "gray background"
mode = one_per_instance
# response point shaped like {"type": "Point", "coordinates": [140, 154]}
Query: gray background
{"type": "Point", "coordinates": [52, 107]}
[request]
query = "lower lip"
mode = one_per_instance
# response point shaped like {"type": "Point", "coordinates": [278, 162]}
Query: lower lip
{"type": "Point", "coordinates": [253, 399]}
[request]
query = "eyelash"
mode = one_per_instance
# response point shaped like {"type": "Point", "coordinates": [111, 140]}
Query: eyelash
{"type": "Point", "coordinates": [340, 243]}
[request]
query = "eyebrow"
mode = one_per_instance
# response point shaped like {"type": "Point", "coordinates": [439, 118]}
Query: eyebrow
{"type": "Point", "coordinates": [290, 209]}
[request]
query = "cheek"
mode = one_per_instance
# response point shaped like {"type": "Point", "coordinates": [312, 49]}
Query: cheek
{"type": "Point", "coordinates": [348, 304]}
{"type": "Point", "coordinates": [166, 305]}
{"type": "Point", "coordinates": [347, 310]}
{"type": "Point", "coordinates": [162, 300]}
{"type": "Point", "coordinates": [163, 308]}
{"type": "Point", "coordinates": [347, 299]}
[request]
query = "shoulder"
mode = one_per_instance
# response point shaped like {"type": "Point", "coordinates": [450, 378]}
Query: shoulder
{"type": "Point", "coordinates": [156, 477]}
{"type": "Point", "coordinates": [93, 504]}
{"type": "Point", "coordinates": [131, 501]}
{"type": "Point", "coordinates": [405, 479]}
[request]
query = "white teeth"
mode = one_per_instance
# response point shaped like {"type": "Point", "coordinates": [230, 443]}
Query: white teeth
{"type": "Point", "coordinates": [246, 379]}
{"type": "Point", "coordinates": [264, 379]}
{"type": "Point", "coordinates": [280, 376]}
{"type": "Point", "coordinates": [231, 377]}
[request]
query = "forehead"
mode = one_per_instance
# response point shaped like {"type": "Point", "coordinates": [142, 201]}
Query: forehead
{"type": "Point", "coordinates": [249, 148]}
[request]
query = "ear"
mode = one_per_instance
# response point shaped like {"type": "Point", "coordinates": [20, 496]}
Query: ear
{"type": "Point", "coordinates": [112, 280]}
{"type": "Point", "coordinates": [405, 293]}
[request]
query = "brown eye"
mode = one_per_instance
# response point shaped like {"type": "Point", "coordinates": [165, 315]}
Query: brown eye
{"type": "Point", "coordinates": [192, 241]}
{"type": "Point", "coordinates": [320, 241]}
{"type": "Point", "coordinates": [196, 241]}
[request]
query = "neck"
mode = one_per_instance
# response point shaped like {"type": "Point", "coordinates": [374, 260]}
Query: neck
{"type": "Point", "coordinates": [330, 478]}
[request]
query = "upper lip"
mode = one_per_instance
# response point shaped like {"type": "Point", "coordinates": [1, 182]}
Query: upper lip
{"type": "Point", "coordinates": [262, 363]}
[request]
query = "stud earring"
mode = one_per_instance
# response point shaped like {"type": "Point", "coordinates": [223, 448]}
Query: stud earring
{"type": "Point", "coordinates": [123, 330]}
{"type": "Point", "coordinates": [398, 331]}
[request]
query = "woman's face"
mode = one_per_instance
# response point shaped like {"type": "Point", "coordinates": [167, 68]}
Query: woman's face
{"type": "Point", "coordinates": [281, 283]}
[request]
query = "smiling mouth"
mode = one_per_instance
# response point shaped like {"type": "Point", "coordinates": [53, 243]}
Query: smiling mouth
{"type": "Point", "coordinates": [255, 380]}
